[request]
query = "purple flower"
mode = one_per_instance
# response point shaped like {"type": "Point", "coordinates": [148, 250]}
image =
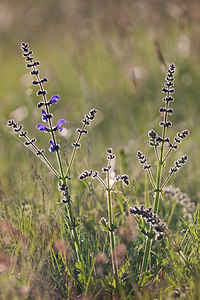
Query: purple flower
{"type": "Point", "coordinates": [54, 99]}
{"type": "Point", "coordinates": [46, 116]}
{"type": "Point", "coordinates": [41, 127]}
{"type": "Point", "coordinates": [53, 147]}
{"type": "Point", "coordinates": [60, 122]}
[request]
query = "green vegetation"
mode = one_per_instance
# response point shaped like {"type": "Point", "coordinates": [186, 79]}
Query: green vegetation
{"type": "Point", "coordinates": [111, 55]}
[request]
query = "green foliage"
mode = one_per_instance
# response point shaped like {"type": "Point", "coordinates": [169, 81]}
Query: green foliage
{"type": "Point", "coordinates": [87, 50]}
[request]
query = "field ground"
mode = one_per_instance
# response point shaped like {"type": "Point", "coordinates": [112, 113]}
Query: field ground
{"type": "Point", "coordinates": [111, 55]}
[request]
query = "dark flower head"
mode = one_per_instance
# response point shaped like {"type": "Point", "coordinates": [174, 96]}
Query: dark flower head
{"type": "Point", "coordinates": [109, 151]}
{"type": "Point", "coordinates": [40, 104]}
{"type": "Point", "coordinates": [53, 147]}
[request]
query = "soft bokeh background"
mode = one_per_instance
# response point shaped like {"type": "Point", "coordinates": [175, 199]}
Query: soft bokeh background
{"type": "Point", "coordinates": [107, 54]}
{"type": "Point", "coordinates": [103, 54]}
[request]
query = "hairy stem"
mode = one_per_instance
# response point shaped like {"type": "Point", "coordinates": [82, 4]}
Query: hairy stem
{"type": "Point", "coordinates": [67, 174]}
{"type": "Point", "coordinates": [73, 231]}
{"type": "Point", "coordinates": [157, 197]}
{"type": "Point", "coordinates": [112, 237]}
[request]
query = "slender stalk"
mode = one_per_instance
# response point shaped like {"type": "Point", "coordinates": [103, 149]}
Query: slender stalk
{"type": "Point", "coordinates": [151, 178]}
{"type": "Point", "coordinates": [102, 182]}
{"type": "Point", "coordinates": [73, 230]}
{"type": "Point", "coordinates": [112, 237]}
{"type": "Point", "coordinates": [167, 154]}
{"type": "Point", "coordinates": [74, 235]}
{"type": "Point", "coordinates": [166, 180]}
{"type": "Point", "coordinates": [74, 153]}
{"type": "Point", "coordinates": [46, 161]}
{"type": "Point", "coordinates": [157, 197]}
{"type": "Point", "coordinates": [111, 233]}
{"type": "Point", "coordinates": [156, 152]}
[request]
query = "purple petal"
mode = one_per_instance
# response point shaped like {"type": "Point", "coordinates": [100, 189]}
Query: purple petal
{"type": "Point", "coordinates": [60, 122]}
{"type": "Point", "coordinates": [44, 119]}
{"type": "Point", "coordinates": [41, 127]}
{"type": "Point", "coordinates": [52, 148]}
{"type": "Point", "coordinates": [51, 142]}
{"type": "Point", "coordinates": [54, 99]}
{"type": "Point", "coordinates": [44, 116]}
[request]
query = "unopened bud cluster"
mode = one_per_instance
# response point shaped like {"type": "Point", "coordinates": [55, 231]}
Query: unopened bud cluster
{"type": "Point", "coordinates": [95, 174]}
{"type": "Point", "coordinates": [63, 188]}
{"type": "Point", "coordinates": [87, 174]}
{"type": "Point", "coordinates": [124, 178]}
{"type": "Point", "coordinates": [143, 160]}
{"type": "Point", "coordinates": [155, 140]}
{"type": "Point", "coordinates": [159, 227]}
{"type": "Point", "coordinates": [27, 53]}
{"type": "Point", "coordinates": [169, 84]}
{"type": "Point", "coordinates": [178, 164]}
{"type": "Point", "coordinates": [178, 139]}
{"type": "Point", "coordinates": [23, 134]}
{"type": "Point", "coordinates": [86, 122]}
{"type": "Point", "coordinates": [169, 90]}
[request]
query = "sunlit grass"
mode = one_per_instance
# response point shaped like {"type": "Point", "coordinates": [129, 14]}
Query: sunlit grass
{"type": "Point", "coordinates": [90, 67]}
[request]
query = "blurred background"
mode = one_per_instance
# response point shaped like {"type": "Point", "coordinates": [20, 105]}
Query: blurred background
{"type": "Point", "coordinates": [107, 54]}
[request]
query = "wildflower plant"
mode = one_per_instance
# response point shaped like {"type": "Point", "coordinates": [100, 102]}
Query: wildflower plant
{"type": "Point", "coordinates": [48, 127]}
{"type": "Point", "coordinates": [163, 147]}
{"type": "Point", "coordinates": [109, 224]}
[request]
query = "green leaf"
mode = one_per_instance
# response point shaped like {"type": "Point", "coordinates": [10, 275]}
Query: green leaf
{"type": "Point", "coordinates": [104, 226]}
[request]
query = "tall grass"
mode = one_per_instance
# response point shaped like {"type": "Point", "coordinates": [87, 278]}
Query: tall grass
{"type": "Point", "coordinates": [99, 56]}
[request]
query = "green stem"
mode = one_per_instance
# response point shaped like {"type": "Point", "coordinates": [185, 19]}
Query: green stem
{"type": "Point", "coordinates": [112, 238]}
{"type": "Point", "coordinates": [151, 178]}
{"type": "Point", "coordinates": [73, 230]}
{"type": "Point", "coordinates": [156, 201]}
{"type": "Point", "coordinates": [168, 153]}
{"type": "Point", "coordinates": [74, 235]}
{"type": "Point", "coordinates": [111, 233]}
{"type": "Point", "coordinates": [74, 153]}
{"type": "Point", "coordinates": [166, 180]}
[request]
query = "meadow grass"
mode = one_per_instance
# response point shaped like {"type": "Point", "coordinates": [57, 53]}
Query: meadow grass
{"type": "Point", "coordinates": [37, 259]}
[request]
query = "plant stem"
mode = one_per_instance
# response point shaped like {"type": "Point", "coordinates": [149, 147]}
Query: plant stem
{"type": "Point", "coordinates": [74, 153]}
{"type": "Point", "coordinates": [112, 238]}
{"type": "Point", "coordinates": [73, 230]}
{"type": "Point", "coordinates": [74, 234]}
{"type": "Point", "coordinates": [157, 197]}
